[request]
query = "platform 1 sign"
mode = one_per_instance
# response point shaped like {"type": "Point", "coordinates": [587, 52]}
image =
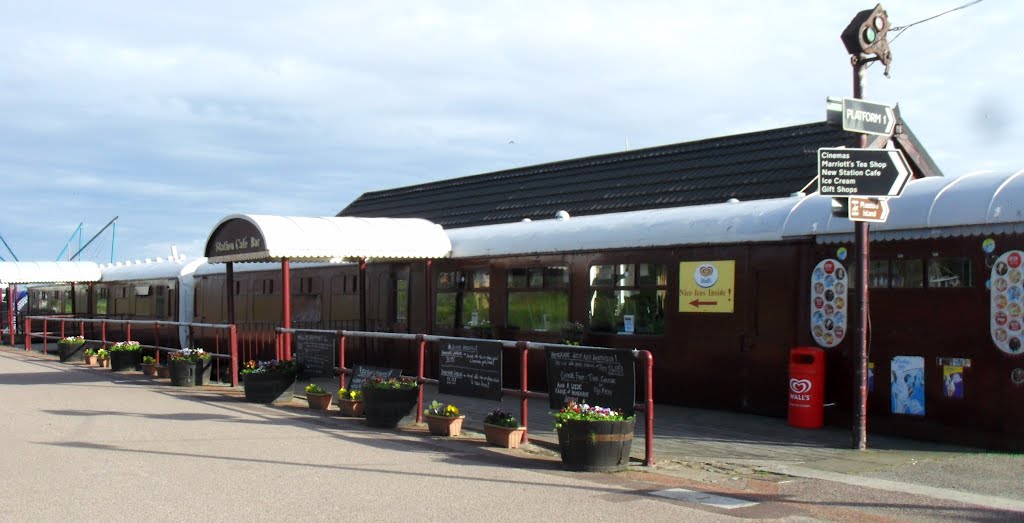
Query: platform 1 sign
{"type": "Point", "coordinates": [874, 173]}
{"type": "Point", "coordinates": [868, 209]}
{"type": "Point", "coordinates": [868, 117]}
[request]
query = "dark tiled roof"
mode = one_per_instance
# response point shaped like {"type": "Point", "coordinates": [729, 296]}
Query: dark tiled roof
{"type": "Point", "coordinates": [759, 165]}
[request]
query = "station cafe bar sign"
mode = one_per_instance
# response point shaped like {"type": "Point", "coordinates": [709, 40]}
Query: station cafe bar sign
{"type": "Point", "coordinates": [236, 237]}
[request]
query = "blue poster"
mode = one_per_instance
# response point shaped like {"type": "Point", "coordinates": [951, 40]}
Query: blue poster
{"type": "Point", "coordinates": [908, 385]}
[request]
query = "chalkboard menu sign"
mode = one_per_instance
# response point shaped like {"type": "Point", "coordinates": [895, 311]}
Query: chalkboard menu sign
{"type": "Point", "coordinates": [605, 378]}
{"type": "Point", "coordinates": [361, 373]}
{"type": "Point", "coordinates": [470, 368]}
{"type": "Point", "coordinates": [314, 353]}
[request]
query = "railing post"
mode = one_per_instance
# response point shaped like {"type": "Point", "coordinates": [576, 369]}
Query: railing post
{"type": "Point", "coordinates": [233, 335]}
{"type": "Point", "coordinates": [419, 402]}
{"type": "Point", "coordinates": [341, 360]}
{"type": "Point", "coordinates": [128, 331]}
{"type": "Point", "coordinates": [62, 336]}
{"type": "Point", "coordinates": [81, 328]}
{"type": "Point", "coordinates": [524, 402]}
{"type": "Point", "coordinates": [103, 333]}
{"type": "Point", "coordinates": [648, 407]}
{"type": "Point", "coordinates": [28, 333]}
{"type": "Point", "coordinates": [46, 333]}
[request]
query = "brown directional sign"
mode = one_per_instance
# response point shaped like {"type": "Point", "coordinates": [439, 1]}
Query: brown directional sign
{"type": "Point", "coordinates": [868, 209]}
{"type": "Point", "coordinates": [878, 173]}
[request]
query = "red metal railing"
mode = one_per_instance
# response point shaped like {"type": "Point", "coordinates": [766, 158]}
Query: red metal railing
{"type": "Point", "coordinates": [645, 357]}
{"type": "Point", "coordinates": [231, 330]}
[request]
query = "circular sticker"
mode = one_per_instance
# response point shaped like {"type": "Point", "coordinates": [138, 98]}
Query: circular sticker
{"type": "Point", "coordinates": [705, 275]}
{"type": "Point", "coordinates": [819, 274]}
{"type": "Point", "coordinates": [1014, 325]}
{"type": "Point", "coordinates": [1001, 284]}
{"type": "Point", "coordinates": [819, 302]}
{"type": "Point", "coordinates": [1013, 293]}
{"type": "Point", "coordinates": [1001, 268]}
{"type": "Point", "coordinates": [1001, 318]}
{"type": "Point", "coordinates": [839, 332]}
{"type": "Point", "coordinates": [829, 310]}
{"type": "Point", "coordinates": [1017, 376]}
{"type": "Point", "coordinates": [819, 288]}
{"type": "Point", "coordinates": [1013, 309]}
{"type": "Point", "coordinates": [829, 324]}
{"type": "Point", "coordinates": [818, 331]}
{"type": "Point", "coordinates": [841, 253]}
{"type": "Point", "coordinates": [1000, 301]}
{"type": "Point", "coordinates": [988, 245]}
{"type": "Point", "coordinates": [1013, 260]}
{"type": "Point", "coordinates": [1014, 344]}
{"type": "Point", "coordinates": [830, 266]}
{"type": "Point", "coordinates": [1014, 276]}
{"type": "Point", "coordinates": [1000, 335]}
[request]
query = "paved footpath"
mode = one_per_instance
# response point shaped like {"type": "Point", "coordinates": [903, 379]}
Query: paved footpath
{"type": "Point", "coordinates": [70, 433]}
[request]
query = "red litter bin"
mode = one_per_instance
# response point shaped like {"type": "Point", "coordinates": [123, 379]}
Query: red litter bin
{"type": "Point", "coordinates": [806, 387]}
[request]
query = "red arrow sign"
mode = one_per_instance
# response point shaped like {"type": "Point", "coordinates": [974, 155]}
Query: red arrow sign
{"type": "Point", "coordinates": [698, 303]}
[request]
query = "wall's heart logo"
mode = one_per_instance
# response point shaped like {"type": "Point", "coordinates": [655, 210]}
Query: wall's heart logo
{"type": "Point", "coordinates": [706, 271]}
{"type": "Point", "coordinates": [705, 276]}
{"type": "Point", "coordinates": [799, 386]}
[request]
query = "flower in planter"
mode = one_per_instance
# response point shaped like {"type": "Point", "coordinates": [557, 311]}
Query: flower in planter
{"type": "Point", "coordinates": [71, 340]}
{"type": "Point", "coordinates": [124, 346]}
{"type": "Point", "coordinates": [441, 409]}
{"type": "Point", "coordinates": [102, 354]}
{"type": "Point", "coordinates": [191, 355]}
{"type": "Point", "coordinates": [89, 352]}
{"type": "Point", "coordinates": [271, 367]}
{"type": "Point", "coordinates": [313, 388]}
{"type": "Point", "coordinates": [584, 412]}
{"type": "Point", "coordinates": [379, 383]}
{"type": "Point", "coordinates": [148, 360]}
{"type": "Point", "coordinates": [350, 395]}
{"type": "Point", "coordinates": [501, 418]}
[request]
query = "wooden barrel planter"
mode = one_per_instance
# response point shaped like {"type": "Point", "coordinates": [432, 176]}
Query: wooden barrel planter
{"type": "Point", "coordinates": [268, 388]}
{"type": "Point", "coordinates": [203, 368]}
{"type": "Point", "coordinates": [183, 373]}
{"type": "Point", "coordinates": [71, 352]}
{"type": "Point", "coordinates": [122, 360]}
{"type": "Point", "coordinates": [384, 408]}
{"type": "Point", "coordinates": [595, 446]}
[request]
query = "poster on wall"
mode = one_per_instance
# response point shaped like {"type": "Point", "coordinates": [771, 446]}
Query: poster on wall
{"type": "Point", "coordinates": [829, 303]}
{"type": "Point", "coordinates": [953, 379]}
{"type": "Point", "coordinates": [907, 382]}
{"type": "Point", "coordinates": [1006, 292]}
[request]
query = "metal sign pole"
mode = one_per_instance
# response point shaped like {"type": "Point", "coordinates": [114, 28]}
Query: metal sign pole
{"type": "Point", "coordinates": [860, 382]}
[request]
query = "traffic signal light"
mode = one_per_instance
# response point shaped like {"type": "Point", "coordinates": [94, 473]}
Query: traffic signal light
{"type": "Point", "coordinates": [866, 34]}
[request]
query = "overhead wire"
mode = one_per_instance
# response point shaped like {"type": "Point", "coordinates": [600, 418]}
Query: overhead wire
{"type": "Point", "coordinates": [900, 29]}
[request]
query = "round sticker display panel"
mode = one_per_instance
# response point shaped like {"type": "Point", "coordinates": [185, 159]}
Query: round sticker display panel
{"type": "Point", "coordinates": [1006, 306]}
{"type": "Point", "coordinates": [829, 302]}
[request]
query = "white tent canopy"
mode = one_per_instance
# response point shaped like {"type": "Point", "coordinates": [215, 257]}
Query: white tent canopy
{"type": "Point", "coordinates": [251, 237]}
{"type": "Point", "coordinates": [48, 272]}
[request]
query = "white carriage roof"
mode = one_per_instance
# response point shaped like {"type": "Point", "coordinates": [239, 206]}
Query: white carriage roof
{"type": "Point", "coordinates": [149, 269]}
{"type": "Point", "coordinates": [757, 220]}
{"type": "Point", "coordinates": [48, 272]}
{"type": "Point", "coordinates": [252, 237]}
{"type": "Point", "coordinates": [973, 204]}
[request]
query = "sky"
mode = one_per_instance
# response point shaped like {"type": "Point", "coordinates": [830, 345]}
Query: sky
{"type": "Point", "coordinates": [173, 115]}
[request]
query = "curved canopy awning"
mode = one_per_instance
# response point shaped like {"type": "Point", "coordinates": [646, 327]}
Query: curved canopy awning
{"type": "Point", "coordinates": [253, 237]}
{"type": "Point", "coordinates": [49, 272]}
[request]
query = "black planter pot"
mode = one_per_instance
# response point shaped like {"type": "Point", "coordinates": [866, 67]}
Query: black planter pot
{"type": "Point", "coordinates": [71, 352]}
{"type": "Point", "coordinates": [595, 446]}
{"type": "Point", "coordinates": [384, 408]}
{"type": "Point", "coordinates": [203, 369]}
{"type": "Point", "coordinates": [122, 360]}
{"type": "Point", "coordinates": [183, 373]}
{"type": "Point", "coordinates": [268, 388]}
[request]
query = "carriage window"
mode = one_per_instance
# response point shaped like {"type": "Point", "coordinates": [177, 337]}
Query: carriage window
{"type": "Point", "coordinates": [462, 299]}
{"type": "Point", "coordinates": [950, 272]}
{"type": "Point", "coordinates": [102, 295]}
{"type": "Point", "coordinates": [907, 274]}
{"type": "Point", "coordinates": [878, 274]}
{"type": "Point", "coordinates": [538, 298]}
{"type": "Point", "coordinates": [401, 300]}
{"type": "Point", "coordinates": [628, 298]}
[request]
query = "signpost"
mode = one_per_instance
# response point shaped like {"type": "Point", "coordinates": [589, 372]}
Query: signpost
{"type": "Point", "coordinates": [868, 117]}
{"type": "Point", "coordinates": [878, 173]}
{"type": "Point", "coordinates": [868, 209]}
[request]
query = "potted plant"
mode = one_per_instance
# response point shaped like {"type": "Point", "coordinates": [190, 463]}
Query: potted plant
{"type": "Point", "coordinates": [103, 358]}
{"type": "Point", "coordinates": [592, 438]}
{"type": "Point", "coordinates": [268, 381]}
{"type": "Point", "coordinates": [90, 357]}
{"type": "Point", "coordinates": [387, 400]}
{"type": "Point", "coordinates": [125, 355]}
{"type": "Point", "coordinates": [163, 371]}
{"type": "Point", "coordinates": [502, 429]}
{"type": "Point", "coordinates": [189, 367]}
{"type": "Point", "coordinates": [71, 349]}
{"type": "Point", "coordinates": [443, 419]}
{"type": "Point", "coordinates": [350, 402]}
{"type": "Point", "coordinates": [149, 365]}
{"type": "Point", "coordinates": [317, 397]}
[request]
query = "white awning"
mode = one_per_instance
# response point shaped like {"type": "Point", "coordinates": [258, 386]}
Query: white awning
{"type": "Point", "coordinates": [251, 237]}
{"type": "Point", "coordinates": [48, 272]}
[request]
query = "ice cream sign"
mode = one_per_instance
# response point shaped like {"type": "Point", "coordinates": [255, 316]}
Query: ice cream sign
{"type": "Point", "coordinates": [829, 305]}
{"type": "Point", "coordinates": [1007, 295]}
{"type": "Point", "coordinates": [707, 286]}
